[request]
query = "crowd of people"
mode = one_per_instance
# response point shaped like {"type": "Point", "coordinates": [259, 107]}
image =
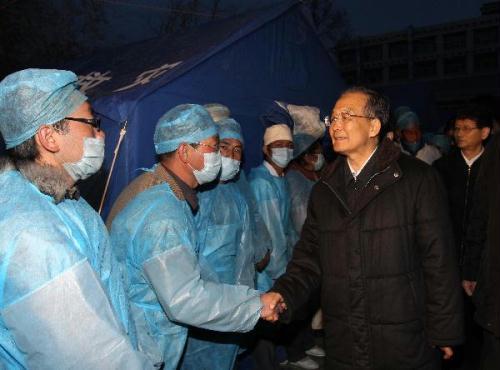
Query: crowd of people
{"type": "Point", "coordinates": [392, 249]}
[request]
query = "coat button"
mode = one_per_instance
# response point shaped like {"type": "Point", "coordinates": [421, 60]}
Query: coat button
{"type": "Point", "coordinates": [396, 174]}
{"type": "Point", "coordinates": [376, 187]}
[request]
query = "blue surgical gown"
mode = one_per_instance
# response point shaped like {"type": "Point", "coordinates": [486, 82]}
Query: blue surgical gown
{"type": "Point", "coordinates": [225, 243]}
{"type": "Point", "coordinates": [261, 240]}
{"type": "Point", "coordinates": [157, 231]}
{"type": "Point", "coordinates": [300, 188]}
{"type": "Point", "coordinates": [273, 203]}
{"type": "Point", "coordinates": [62, 301]}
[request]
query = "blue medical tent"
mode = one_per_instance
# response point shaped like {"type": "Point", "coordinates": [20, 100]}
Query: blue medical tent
{"type": "Point", "coordinates": [244, 62]}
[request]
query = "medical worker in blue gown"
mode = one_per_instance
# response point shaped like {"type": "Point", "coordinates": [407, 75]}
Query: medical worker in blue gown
{"type": "Point", "coordinates": [302, 173]}
{"type": "Point", "coordinates": [273, 200]}
{"type": "Point", "coordinates": [154, 228]}
{"type": "Point", "coordinates": [225, 239]}
{"type": "Point", "coordinates": [62, 302]}
{"type": "Point", "coordinates": [308, 159]}
{"type": "Point", "coordinates": [261, 241]}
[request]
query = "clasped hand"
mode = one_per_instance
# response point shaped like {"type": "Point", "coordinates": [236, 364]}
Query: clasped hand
{"type": "Point", "coordinates": [272, 306]}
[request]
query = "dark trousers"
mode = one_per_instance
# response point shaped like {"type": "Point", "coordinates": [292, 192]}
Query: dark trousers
{"type": "Point", "coordinates": [300, 338]}
{"type": "Point", "coordinates": [466, 356]}
{"type": "Point", "coordinates": [296, 337]}
{"type": "Point", "coordinates": [490, 354]}
{"type": "Point", "coordinates": [264, 350]}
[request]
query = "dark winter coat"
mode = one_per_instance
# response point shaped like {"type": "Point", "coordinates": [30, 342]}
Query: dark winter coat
{"type": "Point", "coordinates": [459, 180]}
{"type": "Point", "coordinates": [386, 266]}
{"type": "Point", "coordinates": [482, 257]}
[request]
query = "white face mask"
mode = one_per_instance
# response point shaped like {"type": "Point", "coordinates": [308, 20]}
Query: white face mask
{"type": "Point", "coordinates": [91, 161]}
{"type": "Point", "coordinates": [230, 168]}
{"type": "Point", "coordinates": [281, 156]}
{"type": "Point", "coordinates": [320, 162]}
{"type": "Point", "coordinates": [210, 170]}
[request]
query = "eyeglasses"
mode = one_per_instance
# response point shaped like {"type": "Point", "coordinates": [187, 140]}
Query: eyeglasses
{"type": "Point", "coordinates": [346, 117]}
{"type": "Point", "coordinates": [465, 129]}
{"type": "Point", "coordinates": [234, 149]}
{"type": "Point", "coordinates": [215, 147]}
{"type": "Point", "coordinates": [94, 122]}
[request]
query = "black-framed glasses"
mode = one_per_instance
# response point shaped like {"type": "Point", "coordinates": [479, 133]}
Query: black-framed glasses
{"type": "Point", "coordinates": [94, 122]}
{"type": "Point", "coordinates": [465, 129]}
{"type": "Point", "coordinates": [346, 117]}
{"type": "Point", "coordinates": [215, 147]}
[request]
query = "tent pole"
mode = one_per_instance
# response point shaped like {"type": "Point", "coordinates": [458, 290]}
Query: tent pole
{"type": "Point", "coordinates": [123, 131]}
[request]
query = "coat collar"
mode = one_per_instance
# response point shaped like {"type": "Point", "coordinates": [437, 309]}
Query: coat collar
{"type": "Point", "coordinates": [386, 171]}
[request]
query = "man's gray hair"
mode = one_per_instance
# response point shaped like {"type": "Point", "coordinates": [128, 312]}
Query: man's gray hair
{"type": "Point", "coordinates": [28, 151]}
{"type": "Point", "coordinates": [377, 105]}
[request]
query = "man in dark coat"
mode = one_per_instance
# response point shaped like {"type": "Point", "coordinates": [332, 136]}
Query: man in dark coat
{"type": "Point", "coordinates": [459, 170]}
{"type": "Point", "coordinates": [482, 254]}
{"type": "Point", "coordinates": [460, 167]}
{"type": "Point", "coordinates": [378, 243]}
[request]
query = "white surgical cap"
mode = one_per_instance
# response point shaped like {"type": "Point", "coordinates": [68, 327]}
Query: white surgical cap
{"type": "Point", "coordinates": [217, 111]}
{"type": "Point", "coordinates": [277, 132]}
{"type": "Point", "coordinates": [307, 126]}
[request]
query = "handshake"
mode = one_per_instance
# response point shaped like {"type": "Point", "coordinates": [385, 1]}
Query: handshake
{"type": "Point", "coordinates": [272, 306]}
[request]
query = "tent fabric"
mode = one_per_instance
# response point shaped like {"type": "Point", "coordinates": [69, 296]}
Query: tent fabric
{"type": "Point", "coordinates": [245, 62]}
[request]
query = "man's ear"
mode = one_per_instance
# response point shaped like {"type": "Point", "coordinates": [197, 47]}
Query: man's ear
{"type": "Point", "coordinates": [46, 138]}
{"type": "Point", "coordinates": [485, 132]}
{"type": "Point", "coordinates": [266, 151]}
{"type": "Point", "coordinates": [182, 152]}
{"type": "Point", "coordinates": [375, 127]}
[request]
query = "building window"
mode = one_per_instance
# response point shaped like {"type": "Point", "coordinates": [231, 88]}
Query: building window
{"type": "Point", "coordinates": [455, 66]}
{"type": "Point", "coordinates": [485, 36]}
{"type": "Point", "coordinates": [372, 53]}
{"type": "Point", "coordinates": [398, 49]}
{"type": "Point", "coordinates": [373, 75]}
{"type": "Point", "coordinates": [486, 62]}
{"type": "Point", "coordinates": [454, 41]}
{"type": "Point", "coordinates": [398, 72]}
{"type": "Point", "coordinates": [347, 57]}
{"type": "Point", "coordinates": [350, 77]}
{"type": "Point", "coordinates": [425, 69]}
{"type": "Point", "coordinates": [424, 46]}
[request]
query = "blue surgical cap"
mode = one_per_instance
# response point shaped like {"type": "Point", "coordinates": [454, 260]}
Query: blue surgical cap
{"type": "Point", "coordinates": [400, 110]}
{"type": "Point", "coordinates": [34, 97]}
{"type": "Point", "coordinates": [185, 123]}
{"type": "Point", "coordinates": [229, 129]}
{"type": "Point", "coordinates": [443, 142]}
{"type": "Point", "coordinates": [405, 117]}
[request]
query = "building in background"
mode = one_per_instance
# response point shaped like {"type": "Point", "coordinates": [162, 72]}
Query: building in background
{"type": "Point", "coordinates": [456, 61]}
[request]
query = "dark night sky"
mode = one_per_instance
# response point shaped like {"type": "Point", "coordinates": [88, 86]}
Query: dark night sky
{"type": "Point", "coordinates": [371, 17]}
{"type": "Point", "coordinates": [132, 20]}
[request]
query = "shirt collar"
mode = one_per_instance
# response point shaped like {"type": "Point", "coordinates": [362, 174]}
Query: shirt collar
{"type": "Point", "coordinates": [471, 161]}
{"type": "Point", "coordinates": [271, 169]}
{"type": "Point", "coordinates": [355, 174]}
{"type": "Point", "coordinates": [188, 192]}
